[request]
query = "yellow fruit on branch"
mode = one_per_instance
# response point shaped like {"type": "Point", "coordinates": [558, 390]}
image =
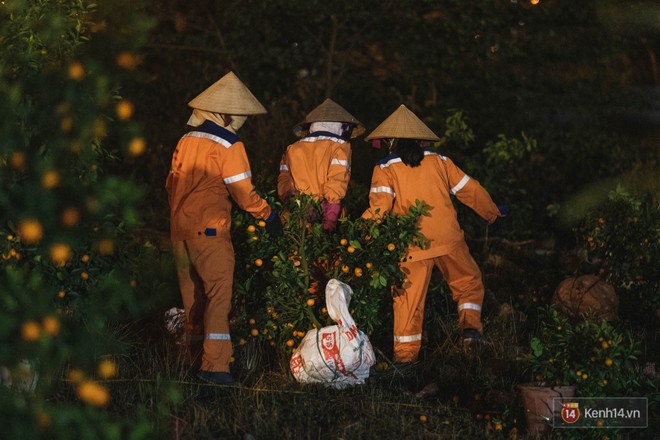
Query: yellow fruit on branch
{"type": "Point", "coordinates": [50, 179]}
{"type": "Point", "coordinates": [106, 246]}
{"type": "Point", "coordinates": [70, 217]}
{"type": "Point", "coordinates": [76, 71]}
{"type": "Point", "coordinates": [137, 146]}
{"type": "Point", "coordinates": [124, 110]}
{"type": "Point", "coordinates": [18, 161]}
{"type": "Point", "coordinates": [127, 60]}
{"type": "Point", "coordinates": [30, 231]}
{"type": "Point", "coordinates": [30, 331]}
{"type": "Point", "coordinates": [93, 393]}
{"type": "Point", "coordinates": [51, 325]}
{"type": "Point", "coordinates": [107, 369]}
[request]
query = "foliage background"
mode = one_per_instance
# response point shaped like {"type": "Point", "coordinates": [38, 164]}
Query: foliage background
{"type": "Point", "coordinates": [549, 104]}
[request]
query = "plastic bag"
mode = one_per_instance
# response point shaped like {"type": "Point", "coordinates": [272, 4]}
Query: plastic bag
{"type": "Point", "coordinates": [337, 355]}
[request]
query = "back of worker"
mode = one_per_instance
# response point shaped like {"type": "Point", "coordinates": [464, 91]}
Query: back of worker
{"type": "Point", "coordinates": [318, 164]}
{"type": "Point", "coordinates": [410, 174]}
{"type": "Point", "coordinates": [396, 186]}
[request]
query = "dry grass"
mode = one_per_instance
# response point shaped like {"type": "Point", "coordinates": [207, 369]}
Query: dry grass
{"type": "Point", "coordinates": [270, 404]}
{"type": "Point", "coordinates": [446, 395]}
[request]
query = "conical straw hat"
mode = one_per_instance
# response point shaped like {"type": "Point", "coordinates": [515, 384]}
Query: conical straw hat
{"type": "Point", "coordinates": [403, 124]}
{"type": "Point", "coordinates": [328, 111]}
{"type": "Point", "coordinates": [228, 96]}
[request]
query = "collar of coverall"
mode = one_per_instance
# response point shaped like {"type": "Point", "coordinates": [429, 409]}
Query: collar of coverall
{"type": "Point", "coordinates": [198, 117]}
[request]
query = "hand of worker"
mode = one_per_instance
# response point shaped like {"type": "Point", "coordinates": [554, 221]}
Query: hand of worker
{"type": "Point", "coordinates": [330, 215]}
{"type": "Point", "coordinates": [287, 196]}
{"type": "Point", "coordinates": [273, 224]}
{"type": "Point", "coordinates": [504, 210]}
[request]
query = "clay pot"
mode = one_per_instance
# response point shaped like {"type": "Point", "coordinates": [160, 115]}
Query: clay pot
{"type": "Point", "coordinates": [537, 402]}
{"type": "Point", "coordinates": [587, 293]}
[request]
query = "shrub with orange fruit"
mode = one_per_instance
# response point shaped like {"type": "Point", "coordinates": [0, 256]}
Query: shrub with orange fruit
{"type": "Point", "coordinates": [289, 293]}
{"type": "Point", "coordinates": [60, 193]}
{"type": "Point", "coordinates": [596, 355]}
{"type": "Point", "coordinates": [621, 237]}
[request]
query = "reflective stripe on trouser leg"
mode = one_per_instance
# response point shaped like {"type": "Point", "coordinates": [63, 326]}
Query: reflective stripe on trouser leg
{"type": "Point", "coordinates": [464, 279]}
{"type": "Point", "coordinates": [213, 260]}
{"type": "Point", "coordinates": [409, 310]}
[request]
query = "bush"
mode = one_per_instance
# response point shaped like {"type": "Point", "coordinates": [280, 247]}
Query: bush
{"type": "Point", "coordinates": [621, 238]}
{"type": "Point", "coordinates": [68, 263]}
{"type": "Point", "coordinates": [597, 356]}
{"type": "Point", "coordinates": [280, 281]}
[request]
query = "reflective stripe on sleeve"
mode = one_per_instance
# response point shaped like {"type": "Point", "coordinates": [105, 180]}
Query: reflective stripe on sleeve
{"type": "Point", "coordinates": [237, 177]}
{"type": "Point", "coordinates": [284, 167]}
{"type": "Point", "coordinates": [343, 163]}
{"type": "Point", "coordinates": [460, 184]}
{"type": "Point", "coordinates": [382, 189]}
{"type": "Point", "coordinates": [411, 338]}
{"type": "Point", "coordinates": [469, 306]}
{"type": "Point", "coordinates": [218, 336]}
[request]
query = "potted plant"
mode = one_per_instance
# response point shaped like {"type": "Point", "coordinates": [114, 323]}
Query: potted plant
{"type": "Point", "coordinates": [588, 357]}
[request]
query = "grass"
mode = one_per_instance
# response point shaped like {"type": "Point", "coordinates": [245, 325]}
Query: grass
{"type": "Point", "coordinates": [446, 395]}
{"type": "Point", "coordinates": [468, 396]}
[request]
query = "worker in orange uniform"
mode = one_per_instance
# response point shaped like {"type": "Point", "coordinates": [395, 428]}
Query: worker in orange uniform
{"type": "Point", "coordinates": [210, 169]}
{"type": "Point", "coordinates": [411, 173]}
{"type": "Point", "coordinates": [319, 164]}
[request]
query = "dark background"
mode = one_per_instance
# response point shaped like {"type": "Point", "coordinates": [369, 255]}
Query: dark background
{"type": "Point", "coordinates": [580, 78]}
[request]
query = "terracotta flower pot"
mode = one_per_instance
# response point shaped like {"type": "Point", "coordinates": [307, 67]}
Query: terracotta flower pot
{"type": "Point", "coordinates": [537, 402]}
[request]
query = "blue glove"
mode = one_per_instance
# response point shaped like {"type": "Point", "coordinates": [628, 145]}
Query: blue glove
{"type": "Point", "coordinates": [504, 210]}
{"type": "Point", "coordinates": [273, 224]}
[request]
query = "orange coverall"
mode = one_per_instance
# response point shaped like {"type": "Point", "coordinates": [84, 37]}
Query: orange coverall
{"type": "Point", "coordinates": [319, 165]}
{"type": "Point", "coordinates": [209, 168]}
{"type": "Point", "coordinates": [394, 188]}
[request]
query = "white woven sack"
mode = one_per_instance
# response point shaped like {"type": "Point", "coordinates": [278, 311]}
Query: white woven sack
{"type": "Point", "coordinates": [337, 355]}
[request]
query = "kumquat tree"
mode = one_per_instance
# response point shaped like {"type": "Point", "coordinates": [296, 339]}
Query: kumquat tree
{"type": "Point", "coordinates": [68, 262]}
{"type": "Point", "coordinates": [281, 280]}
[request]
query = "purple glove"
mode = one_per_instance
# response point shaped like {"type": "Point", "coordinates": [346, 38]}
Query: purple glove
{"type": "Point", "coordinates": [330, 215]}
